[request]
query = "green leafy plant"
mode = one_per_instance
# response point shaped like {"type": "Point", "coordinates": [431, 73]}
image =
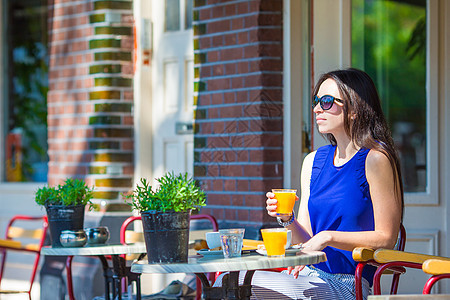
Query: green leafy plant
{"type": "Point", "coordinates": [72, 192]}
{"type": "Point", "coordinates": [174, 193]}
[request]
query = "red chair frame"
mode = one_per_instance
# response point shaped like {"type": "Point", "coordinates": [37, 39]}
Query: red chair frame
{"type": "Point", "coordinates": [37, 251]}
{"type": "Point", "coordinates": [430, 282]}
{"type": "Point", "coordinates": [390, 265]}
{"type": "Point", "coordinates": [397, 270]}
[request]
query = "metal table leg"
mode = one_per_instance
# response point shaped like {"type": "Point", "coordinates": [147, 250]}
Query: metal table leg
{"type": "Point", "coordinates": [230, 288]}
{"type": "Point", "coordinates": [119, 272]}
{"type": "Point", "coordinates": [107, 274]}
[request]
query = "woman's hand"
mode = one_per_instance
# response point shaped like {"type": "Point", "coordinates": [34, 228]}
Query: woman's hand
{"type": "Point", "coordinates": [318, 242]}
{"type": "Point", "coordinates": [271, 204]}
{"type": "Point", "coordinates": [294, 270]}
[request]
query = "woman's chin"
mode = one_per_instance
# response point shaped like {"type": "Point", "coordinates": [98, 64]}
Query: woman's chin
{"type": "Point", "coordinates": [323, 130]}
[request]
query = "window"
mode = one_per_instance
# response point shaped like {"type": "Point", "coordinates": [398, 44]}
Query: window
{"type": "Point", "coordinates": [178, 12]}
{"type": "Point", "coordinates": [25, 90]}
{"type": "Point", "coordinates": [389, 41]}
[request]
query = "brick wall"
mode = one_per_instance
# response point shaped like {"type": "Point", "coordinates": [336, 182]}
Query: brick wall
{"type": "Point", "coordinates": [90, 124]}
{"type": "Point", "coordinates": [238, 153]}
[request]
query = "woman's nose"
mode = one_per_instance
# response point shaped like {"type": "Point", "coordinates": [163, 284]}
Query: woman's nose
{"type": "Point", "coordinates": [317, 108]}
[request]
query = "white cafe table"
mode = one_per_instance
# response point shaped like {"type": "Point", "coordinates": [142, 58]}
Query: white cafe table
{"type": "Point", "coordinates": [113, 276]}
{"type": "Point", "coordinates": [230, 284]}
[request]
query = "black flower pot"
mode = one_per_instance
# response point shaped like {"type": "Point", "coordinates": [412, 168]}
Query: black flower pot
{"type": "Point", "coordinates": [166, 236]}
{"type": "Point", "coordinates": [64, 217]}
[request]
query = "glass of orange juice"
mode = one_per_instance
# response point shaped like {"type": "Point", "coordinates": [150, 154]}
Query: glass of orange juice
{"type": "Point", "coordinates": [275, 241]}
{"type": "Point", "coordinates": [285, 201]}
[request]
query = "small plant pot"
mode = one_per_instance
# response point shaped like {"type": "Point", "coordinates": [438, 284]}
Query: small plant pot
{"type": "Point", "coordinates": [64, 217]}
{"type": "Point", "coordinates": [166, 236]}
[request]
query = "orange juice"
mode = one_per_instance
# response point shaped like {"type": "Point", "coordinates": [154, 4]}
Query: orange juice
{"type": "Point", "coordinates": [285, 200]}
{"type": "Point", "coordinates": [274, 241]}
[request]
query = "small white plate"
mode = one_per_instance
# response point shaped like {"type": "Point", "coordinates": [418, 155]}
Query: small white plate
{"type": "Point", "coordinates": [290, 251]}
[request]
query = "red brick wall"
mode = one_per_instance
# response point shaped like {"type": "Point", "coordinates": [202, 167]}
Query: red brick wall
{"type": "Point", "coordinates": [238, 154]}
{"type": "Point", "coordinates": [90, 124]}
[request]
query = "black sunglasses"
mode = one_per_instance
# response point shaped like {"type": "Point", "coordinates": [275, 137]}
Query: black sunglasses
{"type": "Point", "coordinates": [326, 101]}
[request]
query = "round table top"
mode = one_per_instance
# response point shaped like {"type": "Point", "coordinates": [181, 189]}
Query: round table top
{"type": "Point", "coordinates": [215, 263]}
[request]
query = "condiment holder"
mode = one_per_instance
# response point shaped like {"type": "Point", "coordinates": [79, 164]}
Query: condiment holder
{"type": "Point", "coordinates": [73, 238]}
{"type": "Point", "coordinates": [97, 235]}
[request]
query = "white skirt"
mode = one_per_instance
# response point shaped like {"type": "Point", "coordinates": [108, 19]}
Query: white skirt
{"type": "Point", "coordinates": [311, 284]}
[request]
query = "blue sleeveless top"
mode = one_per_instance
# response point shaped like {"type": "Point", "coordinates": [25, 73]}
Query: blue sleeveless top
{"type": "Point", "coordinates": [340, 201]}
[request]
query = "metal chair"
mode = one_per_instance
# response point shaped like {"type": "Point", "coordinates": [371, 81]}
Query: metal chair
{"type": "Point", "coordinates": [23, 236]}
{"type": "Point", "coordinates": [392, 258]}
{"type": "Point", "coordinates": [128, 236]}
{"type": "Point", "coordinates": [365, 256]}
{"type": "Point", "coordinates": [439, 268]}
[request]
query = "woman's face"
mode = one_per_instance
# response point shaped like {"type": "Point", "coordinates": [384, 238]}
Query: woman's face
{"type": "Point", "coordinates": [331, 120]}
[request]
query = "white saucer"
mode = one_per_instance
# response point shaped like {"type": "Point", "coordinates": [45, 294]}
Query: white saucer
{"type": "Point", "coordinates": [205, 252]}
{"type": "Point", "coordinates": [290, 251]}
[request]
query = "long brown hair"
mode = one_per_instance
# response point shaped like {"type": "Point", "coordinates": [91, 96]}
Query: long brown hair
{"type": "Point", "coordinates": [364, 123]}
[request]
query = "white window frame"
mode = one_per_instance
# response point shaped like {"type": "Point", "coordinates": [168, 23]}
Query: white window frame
{"type": "Point", "coordinates": [431, 196]}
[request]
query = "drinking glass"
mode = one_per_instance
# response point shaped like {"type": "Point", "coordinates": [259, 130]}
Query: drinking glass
{"type": "Point", "coordinates": [285, 201]}
{"type": "Point", "coordinates": [231, 241]}
{"type": "Point", "coordinates": [275, 240]}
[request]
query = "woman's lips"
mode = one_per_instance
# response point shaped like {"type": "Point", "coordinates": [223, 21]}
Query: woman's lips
{"type": "Point", "coordinates": [319, 120]}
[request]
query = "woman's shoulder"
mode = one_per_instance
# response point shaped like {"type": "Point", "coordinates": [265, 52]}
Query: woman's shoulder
{"type": "Point", "coordinates": [377, 161]}
{"type": "Point", "coordinates": [310, 156]}
{"type": "Point", "coordinates": [308, 161]}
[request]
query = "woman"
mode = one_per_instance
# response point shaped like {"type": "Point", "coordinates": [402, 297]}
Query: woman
{"type": "Point", "coordinates": [351, 192]}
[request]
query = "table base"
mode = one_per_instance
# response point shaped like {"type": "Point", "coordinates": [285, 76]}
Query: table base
{"type": "Point", "coordinates": [113, 277]}
{"type": "Point", "coordinates": [230, 288]}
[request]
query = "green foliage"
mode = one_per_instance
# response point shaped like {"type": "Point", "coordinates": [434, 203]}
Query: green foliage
{"type": "Point", "coordinates": [72, 192]}
{"type": "Point", "coordinates": [389, 43]}
{"type": "Point", "coordinates": [175, 193]}
{"type": "Point", "coordinates": [46, 194]}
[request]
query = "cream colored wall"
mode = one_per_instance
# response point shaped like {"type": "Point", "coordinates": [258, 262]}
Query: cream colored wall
{"type": "Point", "coordinates": [143, 97]}
{"type": "Point", "coordinates": [293, 83]}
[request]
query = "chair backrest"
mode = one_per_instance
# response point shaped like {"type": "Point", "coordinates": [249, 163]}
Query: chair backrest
{"type": "Point", "coordinates": [200, 234]}
{"type": "Point", "coordinates": [401, 242]}
{"type": "Point", "coordinates": [26, 234]}
{"type": "Point", "coordinates": [132, 236]}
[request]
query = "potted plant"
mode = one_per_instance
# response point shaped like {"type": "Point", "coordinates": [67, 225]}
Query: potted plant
{"type": "Point", "coordinates": [165, 213]}
{"type": "Point", "coordinates": [65, 206]}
